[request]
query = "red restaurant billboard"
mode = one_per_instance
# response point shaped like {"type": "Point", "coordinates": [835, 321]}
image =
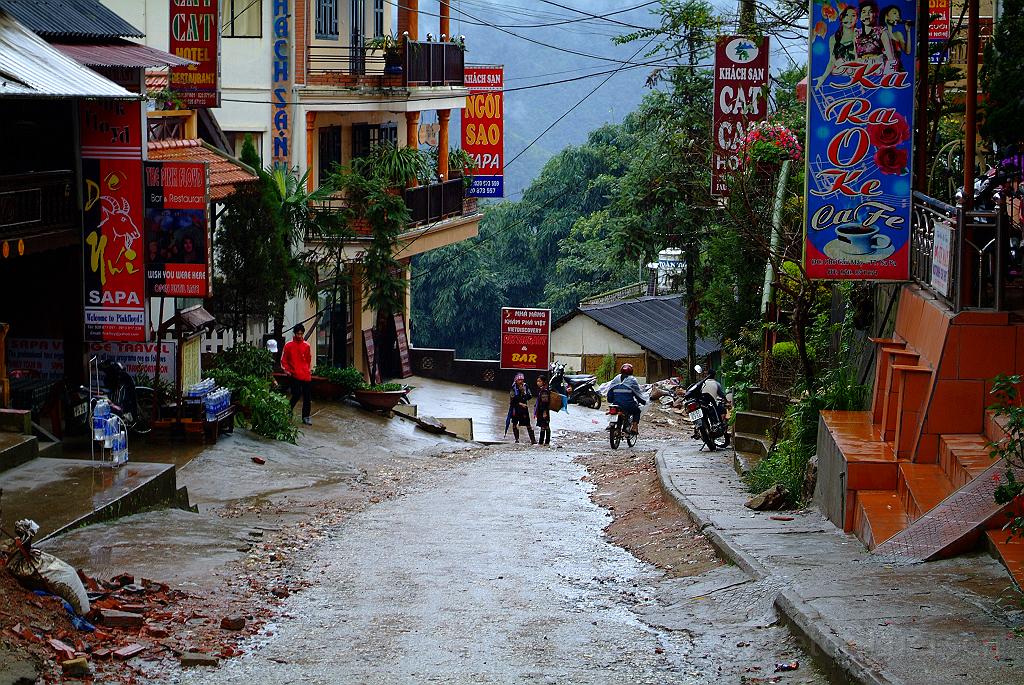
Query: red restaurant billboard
{"type": "Point", "coordinates": [111, 140]}
{"type": "Point", "coordinates": [176, 229]}
{"type": "Point", "coordinates": [525, 336]}
{"type": "Point", "coordinates": [741, 100]}
{"type": "Point", "coordinates": [483, 129]}
{"type": "Point", "coordinates": [195, 35]}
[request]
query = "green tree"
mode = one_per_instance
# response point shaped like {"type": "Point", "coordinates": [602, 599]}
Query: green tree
{"type": "Point", "coordinates": [1002, 77]}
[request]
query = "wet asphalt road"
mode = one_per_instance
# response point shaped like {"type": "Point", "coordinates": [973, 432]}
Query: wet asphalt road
{"type": "Point", "coordinates": [496, 571]}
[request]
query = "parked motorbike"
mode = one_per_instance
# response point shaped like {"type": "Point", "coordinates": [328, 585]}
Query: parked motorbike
{"type": "Point", "coordinates": [708, 416]}
{"type": "Point", "coordinates": [618, 426]}
{"type": "Point", "coordinates": [581, 388]}
{"type": "Point", "coordinates": [131, 403]}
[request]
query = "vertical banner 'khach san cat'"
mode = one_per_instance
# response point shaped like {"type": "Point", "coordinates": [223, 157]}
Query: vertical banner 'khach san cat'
{"type": "Point", "coordinates": [859, 140]}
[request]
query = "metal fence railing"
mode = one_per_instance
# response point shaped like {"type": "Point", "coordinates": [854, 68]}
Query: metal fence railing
{"type": "Point", "coordinates": [959, 256]}
{"type": "Point", "coordinates": [420, 63]}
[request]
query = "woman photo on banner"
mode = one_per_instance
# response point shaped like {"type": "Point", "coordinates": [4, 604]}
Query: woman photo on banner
{"type": "Point", "coordinates": [841, 44]}
{"type": "Point", "coordinates": [873, 45]}
{"type": "Point", "coordinates": [892, 19]}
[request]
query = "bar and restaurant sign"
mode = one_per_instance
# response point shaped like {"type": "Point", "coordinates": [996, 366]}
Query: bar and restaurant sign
{"type": "Point", "coordinates": [176, 229]}
{"type": "Point", "coordinates": [195, 35]}
{"type": "Point", "coordinates": [112, 138]}
{"type": "Point", "coordinates": [281, 85]}
{"type": "Point", "coordinates": [741, 100]}
{"type": "Point", "coordinates": [859, 145]}
{"type": "Point", "coordinates": [483, 129]}
{"type": "Point", "coordinates": [525, 338]}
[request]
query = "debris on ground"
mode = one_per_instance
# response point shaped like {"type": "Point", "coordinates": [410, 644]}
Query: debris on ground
{"type": "Point", "coordinates": [646, 523]}
{"type": "Point", "coordinates": [771, 499]}
{"type": "Point", "coordinates": [37, 570]}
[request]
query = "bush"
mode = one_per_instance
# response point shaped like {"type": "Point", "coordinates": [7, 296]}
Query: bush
{"type": "Point", "coordinates": [246, 371]}
{"type": "Point", "coordinates": [350, 378]}
{"type": "Point", "coordinates": [383, 387]}
{"type": "Point", "coordinates": [606, 371]}
{"type": "Point", "coordinates": [741, 365]}
{"type": "Point", "coordinates": [270, 413]}
{"type": "Point", "coordinates": [784, 351]}
{"type": "Point", "coordinates": [837, 389]}
{"type": "Point", "coordinates": [245, 359]}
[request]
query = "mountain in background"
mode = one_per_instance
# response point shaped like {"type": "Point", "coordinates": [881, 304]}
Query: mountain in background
{"type": "Point", "coordinates": [528, 112]}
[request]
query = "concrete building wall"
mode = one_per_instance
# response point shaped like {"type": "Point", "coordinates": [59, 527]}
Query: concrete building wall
{"type": "Point", "coordinates": [582, 335]}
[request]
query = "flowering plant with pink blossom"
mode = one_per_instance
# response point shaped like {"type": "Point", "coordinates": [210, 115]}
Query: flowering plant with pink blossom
{"type": "Point", "coordinates": [768, 141]}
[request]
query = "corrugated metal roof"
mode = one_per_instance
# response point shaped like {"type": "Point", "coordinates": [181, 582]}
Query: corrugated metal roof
{"type": "Point", "coordinates": [120, 53]}
{"type": "Point", "coordinates": [78, 18]}
{"type": "Point", "coordinates": [658, 324]}
{"type": "Point", "coordinates": [29, 66]}
{"type": "Point", "coordinates": [225, 172]}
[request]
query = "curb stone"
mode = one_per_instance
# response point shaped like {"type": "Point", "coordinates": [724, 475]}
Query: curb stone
{"type": "Point", "coordinates": [801, 617]}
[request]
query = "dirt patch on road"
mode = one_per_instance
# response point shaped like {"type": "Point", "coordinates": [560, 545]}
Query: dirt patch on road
{"type": "Point", "coordinates": [646, 523]}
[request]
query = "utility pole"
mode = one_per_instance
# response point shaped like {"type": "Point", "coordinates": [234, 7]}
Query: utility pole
{"type": "Point", "coordinates": [747, 18]}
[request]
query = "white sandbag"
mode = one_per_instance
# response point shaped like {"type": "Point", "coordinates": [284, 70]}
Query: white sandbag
{"type": "Point", "coordinates": [47, 572]}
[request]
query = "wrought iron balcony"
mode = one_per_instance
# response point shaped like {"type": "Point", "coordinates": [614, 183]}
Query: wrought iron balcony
{"type": "Point", "coordinates": [427, 204]}
{"type": "Point", "coordinates": [37, 202]}
{"type": "Point", "coordinates": [420, 63]}
{"type": "Point", "coordinates": [435, 202]}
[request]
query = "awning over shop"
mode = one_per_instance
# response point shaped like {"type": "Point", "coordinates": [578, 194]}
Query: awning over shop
{"type": "Point", "coordinates": [120, 53]}
{"type": "Point", "coordinates": [226, 173]}
{"type": "Point", "coordinates": [30, 67]}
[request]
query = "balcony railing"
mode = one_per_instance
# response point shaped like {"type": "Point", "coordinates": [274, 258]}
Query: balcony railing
{"type": "Point", "coordinates": [31, 203]}
{"type": "Point", "coordinates": [427, 204]}
{"type": "Point", "coordinates": [957, 255]}
{"type": "Point", "coordinates": [435, 201]}
{"type": "Point", "coordinates": [434, 64]}
{"type": "Point", "coordinates": [420, 63]}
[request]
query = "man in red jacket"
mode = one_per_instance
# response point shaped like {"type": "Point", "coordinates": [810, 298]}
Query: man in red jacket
{"type": "Point", "coordinates": [296, 361]}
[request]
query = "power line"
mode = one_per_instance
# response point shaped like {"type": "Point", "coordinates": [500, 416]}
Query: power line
{"type": "Point", "coordinates": [605, 16]}
{"type": "Point", "coordinates": [578, 103]}
{"type": "Point", "coordinates": [541, 43]}
{"type": "Point", "coordinates": [622, 67]}
{"type": "Point", "coordinates": [561, 22]}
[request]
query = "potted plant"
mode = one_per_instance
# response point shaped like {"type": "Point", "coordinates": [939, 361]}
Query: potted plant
{"type": "Point", "coordinates": [394, 165]}
{"type": "Point", "coordinates": [768, 144]}
{"type": "Point", "coordinates": [391, 46]}
{"type": "Point", "coordinates": [333, 383]}
{"type": "Point", "coordinates": [382, 396]}
{"type": "Point", "coordinates": [461, 164]}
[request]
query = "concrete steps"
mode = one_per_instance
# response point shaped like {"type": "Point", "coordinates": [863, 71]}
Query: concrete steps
{"type": "Point", "coordinates": [1010, 551]}
{"type": "Point", "coordinates": [754, 429]}
{"type": "Point", "coordinates": [879, 515]}
{"type": "Point", "coordinates": [921, 487]}
{"type": "Point", "coordinates": [17, 449]}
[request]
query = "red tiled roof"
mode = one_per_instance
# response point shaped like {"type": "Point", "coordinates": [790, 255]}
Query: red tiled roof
{"type": "Point", "coordinates": [156, 80]}
{"type": "Point", "coordinates": [225, 172]}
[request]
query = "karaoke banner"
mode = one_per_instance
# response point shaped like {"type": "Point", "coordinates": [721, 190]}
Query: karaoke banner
{"type": "Point", "coordinates": [859, 141]}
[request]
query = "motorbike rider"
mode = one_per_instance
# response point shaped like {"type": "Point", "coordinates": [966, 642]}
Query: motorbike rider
{"type": "Point", "coordinates": [713, 389]}
{"type": "Point", "coordinates": [625, 393]}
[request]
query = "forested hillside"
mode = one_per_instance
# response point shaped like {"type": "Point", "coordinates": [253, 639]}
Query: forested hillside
{"type": "Point", "coordinates": [600, 209]}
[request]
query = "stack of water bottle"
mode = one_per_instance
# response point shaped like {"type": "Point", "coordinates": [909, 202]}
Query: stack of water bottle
{"type": "Point", "coordinates": [201, 389]}
{"type": "Point", "coordinates": [216, 402]}
{"type": "Point", "coordinates": [110, 430]}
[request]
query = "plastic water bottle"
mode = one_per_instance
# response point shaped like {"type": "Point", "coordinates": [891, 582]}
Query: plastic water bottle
{"type": "Point", "coordinates": [109, 431]}
{"type": "Point", "coordinates": [121, 448]}
{"type": "Point", "coordinates": [100, 414]}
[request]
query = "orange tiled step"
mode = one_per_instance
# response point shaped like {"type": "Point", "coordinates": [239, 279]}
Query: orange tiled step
{"type": "Point", "coordinates": [1010, 552]}
{"type": "Point", "coordinates": [880, 515]}
{"type": "Point", "coordinates": [920, 487]}
{"type": "Point", "coordinates": [963, 457]}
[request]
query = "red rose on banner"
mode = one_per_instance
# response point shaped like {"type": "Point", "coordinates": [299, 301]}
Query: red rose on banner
{"type": "Point", "coordinates": [892, 133]}
{"type": "Point", "coordinates": [891, 160]}
{"type": "Point", "coordinates": [829, 12]}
